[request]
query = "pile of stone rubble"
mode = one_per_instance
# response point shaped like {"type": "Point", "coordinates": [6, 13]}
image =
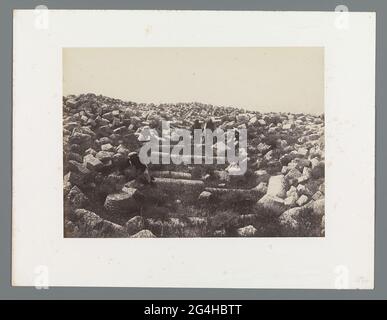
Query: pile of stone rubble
{"type": "Point", "coordinates": [281, 193]}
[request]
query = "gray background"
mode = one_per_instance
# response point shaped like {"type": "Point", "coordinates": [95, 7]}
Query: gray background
{"type": "Point", "coordinates": [7, 292]}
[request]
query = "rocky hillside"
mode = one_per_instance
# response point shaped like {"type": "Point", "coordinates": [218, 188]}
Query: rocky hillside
{"type": "Point", "coordinates": [281, 193]}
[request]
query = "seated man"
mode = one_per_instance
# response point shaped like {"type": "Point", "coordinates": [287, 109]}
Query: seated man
{"type": "Point", "coordinates": [210, 125]}
{"type": "Point", "coordinates": [142, 171]}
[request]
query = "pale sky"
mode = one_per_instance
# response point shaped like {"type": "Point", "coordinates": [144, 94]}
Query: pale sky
{"type": "Point", "coordinates": [263, 79]}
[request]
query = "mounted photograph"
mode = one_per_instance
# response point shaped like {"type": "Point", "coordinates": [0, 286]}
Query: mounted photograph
{"type": "Point", "coordinates": [194, 154]}
{"type": "Point", "coordinates": [193, 142]}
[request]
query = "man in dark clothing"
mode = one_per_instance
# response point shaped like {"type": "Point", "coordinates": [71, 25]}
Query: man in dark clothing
{"type": "Point", "coordinates": [141, 169]}
{"type": "Point", "coordinates": [210, 125]}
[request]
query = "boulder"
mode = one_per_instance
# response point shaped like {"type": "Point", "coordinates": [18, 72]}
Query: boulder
{"type": "Point", "coordinates": [289, 218]}
{"type": "Point", "coordinates": [134, 225]}
{"type": "Point", "coordinates": [144, 234]}
{"type": "Point", "coordinates": [87, 222]}
{"type": "Point", "coordinates": [104, 156]}
{"type": "Point", "coordinates": [92, 163]}
{"type": "Point", "coordinates": [277, 186]}
{"type": "Point", "coordinates": [314, 162]}
{"type": "Point", "coordinates": [261, 176]}
{"type": "Point", "coordinates": [66, 184]}
{"type": "Point", "coordinates": [291, 200]}
{"type": "Point", "coordinates": [233, 195]}
{"type": "Point", "coordinates": [75, 179]}
{"type": "Point", "coordinates": [74, 156]}
{"type": "Point", "coordinates": [205, 196]}
{"type": "Point", "coordinates": [285, 159]}
{"type": "Point", "coordinates": [318, 171]}
{"type": "Point", "coordinates": [261, 188]}
{"type": "Point", "coordinates": [273, 167]}
{"type": "Point", "coordinates": [292, 191]}
{"type": "Point", "coordinates": [318, 195]}
{"type": "Point", "coordinates": [79, 168]}
{"type": "Point", "coordinates": [104, 141]}
{"type": "Point", "coordinates": [273, 205]}
{"type": "Point", "coordinates": [84, 140]}
{"type": "Point", "coordinates": [293, 175]}
{"type": "Point", "coordinates": [302, 200]}
{"type": "Point", "coordinates": [77, 198]}
{"type": "Point", "coordinates": [123, 202]}
{"type": "Point", "coordinates": [109, 229]}
{"type": "Point", "coordinates": [248, 231]}
{"type": "Point", "coordinates": [263, 148]}
{"type": "Point", "coordinates": [318, 207]}
{"type": "Point", "coordinates": [90, 151]}
{"type": "Point", "coordinates": [107, 147]}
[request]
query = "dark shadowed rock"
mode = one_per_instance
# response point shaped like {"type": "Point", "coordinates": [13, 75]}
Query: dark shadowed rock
{"type": "Point", "coordinates": [92, 163]}
{"type": "Point", "coordinates": [123, 202]}
{"type": "Point", "coordinates": [77, 198]}
{"type": "Point", "coordinates": [134, 225]}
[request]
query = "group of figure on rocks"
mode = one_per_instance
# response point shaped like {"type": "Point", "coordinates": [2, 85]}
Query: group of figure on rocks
{"type": "Point", "coordinates": [142, 170]}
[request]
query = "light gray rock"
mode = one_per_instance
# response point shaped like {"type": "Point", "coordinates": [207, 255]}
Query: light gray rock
{"type": "Point", "coordinates": [318, 195]}
{"type": "Point", "coordinates": [107, 147]}
{"type": "Point", "coordinates": [318, 207]}
{"type": "Point", "coordinates": [292, 192]}
{"type": "Point", "coordinates": [291, 201]}
{"type": "Point", "coordinates": [277, 186]}
{"type": "Point", "coordinates": [302, 200]}
{"type": "Point", "coordinates": [248, 231]}
{"type": "Point", "coordinates": [205, 196]}
{"type": "Point", "coordinates": [274, 205]}
{"type": "Point", "coordinates": [144, 234]}
{"type": "Point", "coordinates": [289, 218]}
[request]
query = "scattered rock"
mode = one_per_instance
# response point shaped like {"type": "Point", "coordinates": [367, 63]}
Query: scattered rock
{"type": "Point", "coordinates": [248, 231]}
{"type": "Point", "coordinates": [273, 205]}
{"type": "Point", "coordinates": [144, 234]}
{"type": "Point", "coordinates": [92, 163]}
{"type": "Point", "coordinates": [134, 225]}
{"type": "Point", "coordinates": [277, 186]}
{"type": "Point", "coordinates": [123, 202]}
{"type": "Point", "coordinates": [262, 176]}
{"type": "Point", "coordinates": [205, 196]}
{"type": "Point", "coordinates": [289, 218]}
{"type": "Point", "coordinates": [77, 198]}
{"type": "Point", "coordinates": [302, 200]}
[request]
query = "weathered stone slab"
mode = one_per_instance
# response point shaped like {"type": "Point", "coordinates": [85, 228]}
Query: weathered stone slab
{"type": "Point", "coordinates": [224, 194]}
{"type": "Point", "coordinates": [123, 202]}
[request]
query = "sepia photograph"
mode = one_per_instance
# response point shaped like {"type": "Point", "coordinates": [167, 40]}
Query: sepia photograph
{"type": "Point", "coordinates": [186, 142]}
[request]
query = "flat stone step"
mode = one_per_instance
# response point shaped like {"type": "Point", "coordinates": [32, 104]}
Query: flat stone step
{"type": "Point", "coordinates": [189, 158]}
{"type": "Point", "coordinates": [172, 174]}
{"type": "Point", "coordinates": [234, 194]}
{"type": "Point", "coordinates": [185, 190]}
{"type": "Point", "coordinates": [179, 182]}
